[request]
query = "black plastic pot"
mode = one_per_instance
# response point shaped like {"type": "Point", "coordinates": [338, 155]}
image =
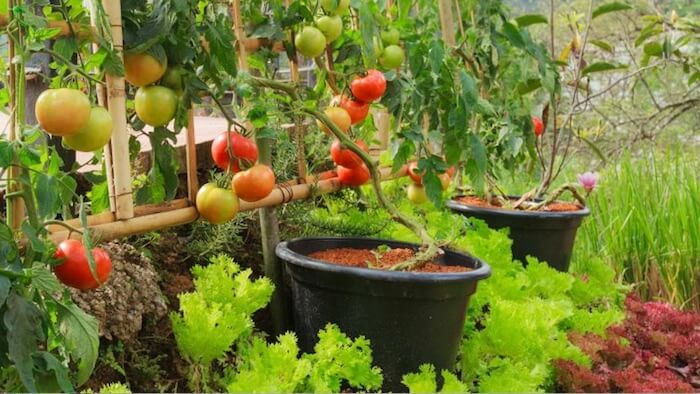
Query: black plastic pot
{"type": "Point", "coordinates": [548, 236]}
{"type": "Point", "coordinates": [410, 318]}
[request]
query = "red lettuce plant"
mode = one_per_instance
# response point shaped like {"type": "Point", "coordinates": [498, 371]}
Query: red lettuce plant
{"type": "Point", "coordinates": [656, 349]}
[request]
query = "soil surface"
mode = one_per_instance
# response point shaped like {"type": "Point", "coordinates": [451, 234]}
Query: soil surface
{"type": "Point", "coordinates": [365, 258]}
{"type": "Point", "coordinates": [556, 206]}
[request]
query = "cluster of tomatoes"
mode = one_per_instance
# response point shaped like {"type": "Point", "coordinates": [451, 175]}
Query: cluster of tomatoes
{"type": "Point", "coordinates": [251, 182]}
{"type": "Point", "coordinates": [155, 105]}
{"type": "Point", "coordinates": [67, 113]}
{"type": "Point", "coordinates": [388, 51]}
{"type": "Point", "coordinates": [311, 41]}
{"type": "Point", "coordinates": [347, 111]}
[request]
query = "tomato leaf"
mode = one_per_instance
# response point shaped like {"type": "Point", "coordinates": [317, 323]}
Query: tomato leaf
{"type": "Point", "coordinates": [99, 197]}
{"type": "Point", "coordinates": [44, 280]}
{"type": "Point", "coordinates": [31, 234]}
{"type": "Point", "coordinates": [531, 19]}
{"type": "Point", "coordinates": [601, 67]}
{"type": "Point", "coordinates": [6, 153]}
{"type": "Point", "coordinates": [610, 7]}
{"type": "Point", "coordinates": [46, 196]}
{"type": "Point", "coordinates": [529, 85]}
{"type": "Point", "coordinates": [403, 153]}
{"type": "Point", "coordinates": [513, 34]}
{"type": "Point", "coordinates": [5, 285]}
{"type": "Point", "coordinates": [51, 374]}
{"type": "Point", "coordinates": [80, 334]}
{"type": "Point", "coordinates": [24, 323]}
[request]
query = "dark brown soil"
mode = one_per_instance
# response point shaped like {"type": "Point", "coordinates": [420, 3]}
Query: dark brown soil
{"type": "Point", "coordinates": [365, 258]}
{"type": "Point", "coordinates": [556, 206]}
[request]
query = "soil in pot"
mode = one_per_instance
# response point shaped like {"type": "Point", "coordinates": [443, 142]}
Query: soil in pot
{"type": "Point", "coordinates": [379, 258]}
{"type": "Point", "coordinates": [556, 206]}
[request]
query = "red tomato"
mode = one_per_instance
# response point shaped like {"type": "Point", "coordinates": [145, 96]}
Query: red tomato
{"type": "Point", "coordinates": [245, 152]}
{"type": "Point", "coordinates": [353, 176]}
{"type": "Point", "coordinates": [451, 171]}
{"type": "Point", "coordinates": [537, 126]}
{"type": "Point", "coordinates": [356, 109]}
{"type": "Point", "coordinates": [345, 157]}
{"type": "Point", "coordinates": [370, 87]}
{"type": "Point", "coordinates": [414, 174]}
{"type": "Point", "coordinates": [255, 183]}
{"type": "Point", "coordinates": [74, 271]}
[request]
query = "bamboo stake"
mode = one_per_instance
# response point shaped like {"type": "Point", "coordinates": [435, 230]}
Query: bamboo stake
{"type": "Point", "coordinates": [102, 101]}
{"type": "Point", "coordinates": [191, 154]}
{"type": "Point", "coordinates": [15, 205]}
{"type": "Point", "coordinates": [119, 145]}
{"type": "Point", "coordinates": [299, 129]}
{"type": "Point", "coordinates": [240, 34]}
{"type": "Point", "coordinates": [447, 22]}
{"type": "Point", "coordinates": [156, 221]}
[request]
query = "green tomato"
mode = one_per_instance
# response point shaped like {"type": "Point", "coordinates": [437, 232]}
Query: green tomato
{"type": "Point", "coordinates": [391, 37]}
{"type": "Point", "coordinates": [335, 7]}
{"type": "Point", "coordinates": [155, 105]}
{"type": "Point", "coordinates": [174, 79]}
{"type": "Point", "coordinates": [95, 134]}
{"type": "Point", "coordinates": [416, 194]}
{"type": "Point", "coordinates": [392, 57]}
{"type": "Point", "coordinates": [330, 26]}
{"type": "Point", "coordinates": [310, 42]}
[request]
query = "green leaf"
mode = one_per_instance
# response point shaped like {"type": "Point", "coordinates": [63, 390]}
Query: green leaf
{"type": "Point", "coordinates": [5, 286]}
{"type": "Point", "coordinates": [99, 197]}
{"type": "Point", "coordinates": [694, 78]}
{"type": "Point", "coordinates": [513, 34]}
{"type": "Point", "coordinates": [80, 337]}
{"type": "Point", "coordinates": [470, 95]}
{"type": "Point", "coordinates": [6, 154]}
{"type": "Point", "coordinates": [44, 280]}
{"type": "Point", "coordinates": [46, 195]}
{"type": "Point", "coordinates": [529, 85]}
{"type": "Point", "coordinates": [531, 19]}
{"type": "Point", "coordinates": [51, 375]}
{"type": "Point", "coordinates": [653, 49]}
{"type": "Point", "coordinates": [610, 7]}
{"type": "Point", "coordinates": [31, 234]}
{"type": "Point", "coordinates": [604, 45]}
{"type": "Point", "coordinates": [422, 381]}
{"type": "Point", "coordinates": [24, 323]}
{"type": "Point", "coordinates": [601, 67]}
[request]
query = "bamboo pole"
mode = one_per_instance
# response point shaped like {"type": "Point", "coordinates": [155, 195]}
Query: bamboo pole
{"type": "Point", "coordinates": [15, 205]}
{"type": "Point", "coordinates": [191, 155]}
{"type": "Point", "coordinates": [156, 221]}
{"type": "Point", "coordinates": [447, 22]}
{"type": "Point", "coordinates": [118, 161]}
{"type": "Point", "coordinates": [299, 129]}
{"type": "Point", "coordinates": [240, 34]}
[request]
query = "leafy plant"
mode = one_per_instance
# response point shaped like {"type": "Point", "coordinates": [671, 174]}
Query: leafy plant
{"type": "Point", "coordinates": [278, 367]}
{"type": "Point", "coordinates": [655, 349]}
{"type": "Point", "coordinates": [213, 317]}
{"type": "Point", "coordinates": [423, 381]}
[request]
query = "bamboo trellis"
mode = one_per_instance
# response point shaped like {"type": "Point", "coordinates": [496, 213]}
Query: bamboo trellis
{"type": "Point", "coordinates": [124, 218]}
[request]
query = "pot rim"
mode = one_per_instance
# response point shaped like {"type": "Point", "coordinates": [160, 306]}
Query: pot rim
{"type": "Point", "coordinates": [481, 271]}
{"type": "Point", "coordinates": [460, 207]}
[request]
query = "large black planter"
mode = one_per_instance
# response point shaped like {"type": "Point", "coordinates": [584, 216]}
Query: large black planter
{"type": "Point", "coordinates": [548, 236]}
{"type": "Point", "coordinates": [410, 318]}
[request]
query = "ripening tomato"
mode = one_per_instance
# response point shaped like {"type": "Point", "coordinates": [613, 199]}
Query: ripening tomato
{"type": "Point", "coordinates": [143, 69]}
{"type": "Point", "coordinates": [414, 174]}
{"type": "Point", "coordinates": [339, 116]}
{"type": "Point", "coordinates": [392, 57]}
{"type": "Point", "coordinates": [155, 105]}
{"type": "Point", "coordinates": [537, 126]}
{"type": "Point", "coordinates": [416, 194]}
{"type": "Point", "coordinates": [451, 171]}
{"type": "Point", "coordinates": [63, 111]}
{"type": "Point", "coordinates": [357, 110]}
{"type": "Point", "coordinates": [215, 204]}
{"type": "Point", "coordinates": [94, 135]}
{"type": "Point", "coordinates": [174, 79]}
{"type": "Point", "coordinates": [445, 180]}
{"type": "Point", "coordinates": [369, 88]}
{"type": "Point", "coordinates": [255, 183]}
{"type": "Point", "coordinates": [345, 157]}
{"type": "Point", "coordinates": [74, 269]}
{"type": "Point", "coordinates": [310, 42]}
{"type": "Point", "coordinates": [245, 152]}
{"type": "Point", "coordinates": [353, 176]}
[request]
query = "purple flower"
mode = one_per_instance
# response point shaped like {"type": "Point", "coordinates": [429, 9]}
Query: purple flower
{"type": "Point", "coordinates": [588, 180]}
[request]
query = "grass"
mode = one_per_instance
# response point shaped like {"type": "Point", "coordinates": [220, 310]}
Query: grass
{"type": "Point", "coordinates": [645, 222]}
